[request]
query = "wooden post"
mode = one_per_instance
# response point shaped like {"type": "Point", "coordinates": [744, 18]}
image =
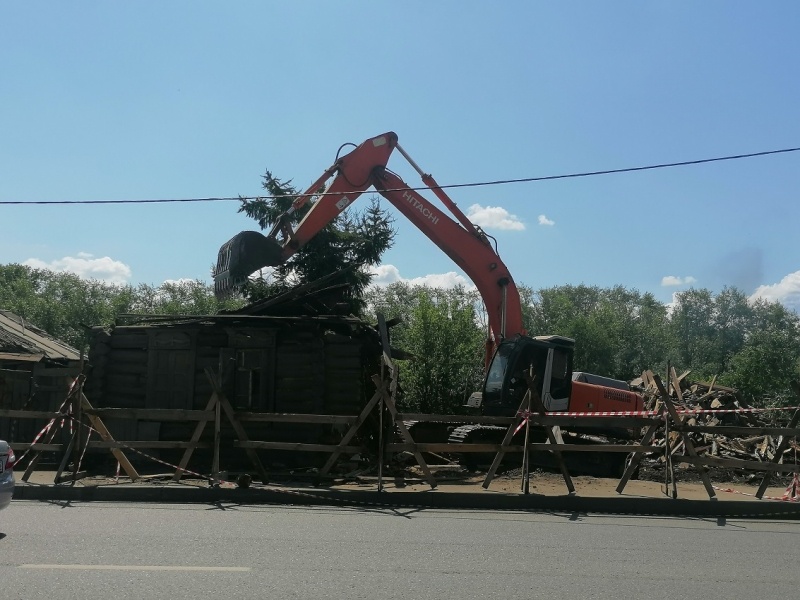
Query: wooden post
{"type": "Point", "coordinates": [198, 431]}
{"type": "Point", "coordinates": [216, 384]}
{"type": "Point", "coordinates": [54, 428]}
{"type": "Point", "coordinates": [102, 431]}
{"type": "Point", "coordinates": [554, 439]}
{"type": "Point", "coordinates": [381, 409]}
{"type": "Point", "coordinates": [781, 447]}
{"type": "Point", "coordinates": [217, 435]}
{"type": "Point", "coordinates": [362, 416]}
{"type": "Point", "coordinates": [64, 460]}
{"type": "Point", "coordinates": [386, 364]}
{"type": "Point", "coordinates": [687, 441]}
{"type": "Point", "coordinates": [78, 433]}
{"type": "Point", "coordinates": [526, 462]}
{"type": "Point", "coordinates": [498, 458]}
{"type": "Point", "coordinates": [637, 457]}
{"type": "Point", "coordinates": [404, 433]}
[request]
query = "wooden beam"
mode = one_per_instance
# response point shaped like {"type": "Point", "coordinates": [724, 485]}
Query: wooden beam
{"type": "Point", "coordinates": [676, 418]}
{"type": "Point", "coordinates": [296, 418]}
{"type": "Point", "coordinates": [153, 444]}
{"type": "Point", "coordinates": [37, 447]}
{"type": "Point", "coordinates": [633, 464]}
{"type": "Point", "coordinates": [376, 397]}
{"type": "Point", "coordinates": [731, 430]}
{"type": "Point", "coordinates": [102, 430]}
{"type": "Point", "coordinates": [153, 414]}
{"type": "Point", "coordinates": [505, 444]}
{"type": "Point", "coordinates": [196, 434]}
{"type": "Point", "coordinates": [388, 401]}
{"type": "Point", "coordinates": [782, 446]}
{"type": "Point", "coordinates": [440, 447]}
{"type": "Point", "coordinates": [298, 447]}
{"type": "Point", "coordinates": [237, 426]}
{"type": "Point", "coordinates": [737, 463]}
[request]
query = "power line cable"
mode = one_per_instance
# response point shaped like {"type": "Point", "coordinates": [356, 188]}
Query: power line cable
{"type": "Point", "coordinates": [450, 186]}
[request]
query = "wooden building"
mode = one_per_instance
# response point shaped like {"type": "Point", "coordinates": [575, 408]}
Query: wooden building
{"type": "Point", "coordinates": [278, 364]}
{"type": "Point", "coordinates": [36, 371]}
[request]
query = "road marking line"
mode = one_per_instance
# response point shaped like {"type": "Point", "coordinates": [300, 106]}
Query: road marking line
{"type": "Point", "coordinates": [133, 568]}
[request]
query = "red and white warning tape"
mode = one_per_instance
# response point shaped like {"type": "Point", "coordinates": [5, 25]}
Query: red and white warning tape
{"type": "Point", "coordinates": [606, 413]}
{"type": "Point", "coordinates": [50, 423]}
{"type": "Point", "coordinates": [525, 415]}
{"type": "Point", "coordinates": [700, 411]}
{"type": "Point", "coordinates": [183, 471]}
{"type": "Point", "coordinates": [653, 413]}
{"type": "Point", "coordinates": [38, 436]}
{"type": "Point", "coordinates": [792, 493]}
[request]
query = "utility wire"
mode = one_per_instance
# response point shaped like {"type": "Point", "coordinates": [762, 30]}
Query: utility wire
{"type": "Point", "coordinates": [450, 186]}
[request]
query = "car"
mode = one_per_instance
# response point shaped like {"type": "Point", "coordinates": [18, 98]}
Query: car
{"type": "Point", "coordinates": [7, 459]}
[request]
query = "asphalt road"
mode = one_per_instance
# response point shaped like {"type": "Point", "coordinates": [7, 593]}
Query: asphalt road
{"type": "Point", "coordinates": [102, 550]}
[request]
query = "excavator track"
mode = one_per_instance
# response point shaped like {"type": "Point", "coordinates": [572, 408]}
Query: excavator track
{"type": "Point", "coordinates": [475, 434]}
{"type": "Point", "coordinates": [579, 463]}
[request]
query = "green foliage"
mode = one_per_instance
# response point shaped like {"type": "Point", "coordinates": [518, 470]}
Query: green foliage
{"type": "Point", "coordinates": [753, 346]}
{"type": "Point", "coordinates": [178, 298]}
{"type": "Point", "coordinates": [765, 365]}
{"type": "Point", "coordinates": [66, 306]}
{"type": "Point", "coordinates": [769, 356]}
{"type": "Point", "coordinates": [618, 332]}
{"type": "Point", "coordinates": [441, 329]}
{"type": "Point", "coordinates": [353, 239]}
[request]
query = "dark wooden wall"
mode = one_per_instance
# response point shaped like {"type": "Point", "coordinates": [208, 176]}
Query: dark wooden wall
{"type": "Point", "coordinates": [273, 365]}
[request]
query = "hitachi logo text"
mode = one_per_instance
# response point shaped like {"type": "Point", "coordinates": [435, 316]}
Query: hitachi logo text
{"type": "Point", "coordinates": [421, 208]}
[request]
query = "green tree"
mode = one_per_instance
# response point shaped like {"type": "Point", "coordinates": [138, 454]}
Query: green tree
{"type": "Point", "coordinates": [183, 297]}
{"type": "Point", "coordinates": [440, 328]}
{"type": "Point", "coordinates": [353, 239]}
{"type": "Point", "coordinates": [769, 356]}
{"type": "Point", "coordinates": [66, 306]}
{"type": "Point", "coordinates": [617, 332]}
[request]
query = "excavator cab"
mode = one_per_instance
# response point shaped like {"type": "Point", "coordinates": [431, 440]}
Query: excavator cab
{"type": "Point", "coordinates": [550, 357]}
{"type": "Point", "coordinates": [242, 255]}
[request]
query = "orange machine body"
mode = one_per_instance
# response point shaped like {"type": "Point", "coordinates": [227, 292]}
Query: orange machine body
{"type": "Point", "coordinates": [587, 397]}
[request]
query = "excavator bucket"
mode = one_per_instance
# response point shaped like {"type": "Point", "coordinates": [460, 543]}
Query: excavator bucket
{"type": "Point", "coordinates": [241, 256]}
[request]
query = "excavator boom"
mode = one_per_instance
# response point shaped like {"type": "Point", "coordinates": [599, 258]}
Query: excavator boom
{"type": "Point", "coordinates": [362, 168]}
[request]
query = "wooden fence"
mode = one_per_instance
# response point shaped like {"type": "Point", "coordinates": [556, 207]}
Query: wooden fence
{"type": "Point", "coordinates": [83, 418]}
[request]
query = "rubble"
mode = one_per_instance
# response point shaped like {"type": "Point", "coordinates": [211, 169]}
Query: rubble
{"type": "Point", "coordinates": [722, 425]}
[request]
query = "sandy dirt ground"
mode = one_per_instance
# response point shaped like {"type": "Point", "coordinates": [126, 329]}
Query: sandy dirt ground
{"type": "Point", "coordinates": [553, 484]}
{"type": "Point", "coordinates": [410, 480]}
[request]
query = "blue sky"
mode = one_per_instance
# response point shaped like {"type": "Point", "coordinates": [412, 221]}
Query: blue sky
{"type": "Point", "coordinates": [163, 100]}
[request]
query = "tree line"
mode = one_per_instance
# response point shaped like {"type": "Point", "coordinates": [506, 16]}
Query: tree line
{"type": "Point", "coordinates": [619, 332]}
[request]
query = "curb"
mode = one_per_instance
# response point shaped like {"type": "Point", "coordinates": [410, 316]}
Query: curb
{"type": "Point", "coordinates": [427, 499]}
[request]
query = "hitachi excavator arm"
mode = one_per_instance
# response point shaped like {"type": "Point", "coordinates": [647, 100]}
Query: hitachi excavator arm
{"type": "Point", "coordinates": [353, 174]}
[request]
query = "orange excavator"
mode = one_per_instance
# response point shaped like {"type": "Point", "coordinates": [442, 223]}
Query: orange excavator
{"type": "Point", "coordinates": [509, 350]}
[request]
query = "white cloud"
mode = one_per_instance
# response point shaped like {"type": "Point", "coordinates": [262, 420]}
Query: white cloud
{"type": "Point", "coordinates": [86, 266]}
{"type": "Point", "coordinates": [178, 282]}
{"type": "Point", "coordinates": [543, 220]}
{"type": "Point", "coordinates": [494, 217]}
{"type": "Point", "coordinates": [387, 274]}
{"type": "Point", "coordinates": [787, 291]}
{"type": "Point", "coordinates": [671, 280]}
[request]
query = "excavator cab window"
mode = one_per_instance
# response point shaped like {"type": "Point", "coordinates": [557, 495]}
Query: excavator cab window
{"type": "Point", "coordinates": [531, 356]}
{"type": "Point", "coordinates": [497, 371]}
{"type": "Point", "coordinates": [561, 378]}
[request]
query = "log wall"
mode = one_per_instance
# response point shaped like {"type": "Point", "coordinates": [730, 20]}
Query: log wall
{"type": "Point", "coordinates": [272, 365]}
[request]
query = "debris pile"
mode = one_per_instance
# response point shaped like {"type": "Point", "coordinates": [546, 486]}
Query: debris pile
{"type": "Point", "coordinates": [723, 425]}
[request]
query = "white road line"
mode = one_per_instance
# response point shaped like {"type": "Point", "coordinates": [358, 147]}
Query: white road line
{"type": "Point", "coordinates": [133, 568]}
